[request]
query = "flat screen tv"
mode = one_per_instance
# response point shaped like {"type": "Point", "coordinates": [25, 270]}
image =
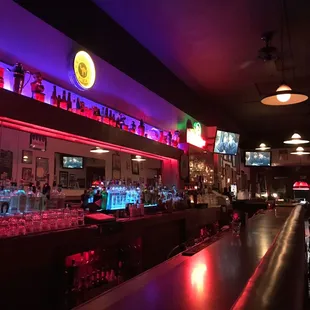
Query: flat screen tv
{"type": "Point", "coordinates": [258, 159]}
{"type": "Point", "coordinates": [72, 162]}
{"type": "Point", "coordinates": [226, 142]}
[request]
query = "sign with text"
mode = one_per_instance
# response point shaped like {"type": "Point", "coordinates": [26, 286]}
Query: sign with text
{"type": "Point", "coordinates": [193, 136]}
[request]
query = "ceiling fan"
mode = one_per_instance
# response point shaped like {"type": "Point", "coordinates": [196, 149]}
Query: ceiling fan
{"type": "Point", "coordinates": [268, 53]}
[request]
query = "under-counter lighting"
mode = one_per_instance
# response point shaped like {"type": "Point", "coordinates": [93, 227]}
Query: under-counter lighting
{"type": "Point", "coordinates": [296, 139]}
{"type": "Point", "coordinates": [300, 151]}
{"type": "Point", "coordinates": [263, 147]}
{"type": "Point", "coordinates": [138, 158]}
{"type": "Point", "coordinates": [98, 150]}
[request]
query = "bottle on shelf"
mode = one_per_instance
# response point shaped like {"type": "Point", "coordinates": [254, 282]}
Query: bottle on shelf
{"type": "Point", "coordinates": [133, 127]}
{"type": "Point", "coordinates": [141, 128]}
{"type": "Point", "coordinates": [53, 100]}
{"type": "Point", "coordinates": [63, 102]}
{"type": "Point", "coordinates": [105, 116]}
{"type": "Point", "coordinates": [69, 102]}
{"type": "Point", "coordinates": [58, 101]}
{"type": "Point", "coordinates": [169, 138]}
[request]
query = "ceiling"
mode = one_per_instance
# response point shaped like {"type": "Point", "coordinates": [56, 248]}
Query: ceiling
{"type": "Point", "coordinates": [200, 55]}
{"type": "Point", "coordinates": [212, 46]}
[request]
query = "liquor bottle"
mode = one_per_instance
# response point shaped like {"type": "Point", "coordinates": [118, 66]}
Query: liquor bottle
{"type": "Point", "coordinates": [53, 100]}
{"type": "Point", "coordinates": [133, 127]}
{"type": "Point", "coordinates": [161, 137]}
{"type": "Point", "coordinates": [63, 102]}
{"type": "Point", "coordinates": [141, 128]}
{"type": "Point", "coordinates": [113, 120]}
{"type": "Point", "coordinates": [110, 118]}
{"type": "Point", "coordinates": [104, 199]}
{"type": "Point", "coordinates": [69, 102]}
{"type": "Point", "coordinates": [169, 138]}
{"type": "Point", "coordinates": [58, 101]}
{"type": "Point", "coordinates": [106, 119]}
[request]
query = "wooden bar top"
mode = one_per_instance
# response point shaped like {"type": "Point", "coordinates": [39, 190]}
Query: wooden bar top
{"type": "Point", "coordinates": [211, 279]}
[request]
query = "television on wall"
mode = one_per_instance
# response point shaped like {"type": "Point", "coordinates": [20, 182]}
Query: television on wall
{"type": "Point", "coordinates": [72, 162]}
{"type": "Point", "coordinates": [257, 159]}
{"type": "Point", "coordinates": [226, 142]}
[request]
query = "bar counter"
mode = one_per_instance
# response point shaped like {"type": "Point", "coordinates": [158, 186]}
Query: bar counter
{"type": "Point", "coordinates": [33, 266]}
{"type": "Point", "coordinates": [211, 279]}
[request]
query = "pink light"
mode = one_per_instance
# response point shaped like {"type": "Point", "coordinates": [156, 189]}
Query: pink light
{"type": "Point", "coordinates": [52, 133]}
{"type": "Point", "coordinates": [193, 138]}
{"type": "Point", "coordinates": [197, 276]}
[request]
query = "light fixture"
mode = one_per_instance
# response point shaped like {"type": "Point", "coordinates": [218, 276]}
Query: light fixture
{"type": "Point", "coordinates": [300, 151]}
{"type": "Point", "coordinates": [138, 158]}
{"type": "Point", "coordinates": [296, 139]}
{"type": "Point", "coordinates": [98, 150]}
{"type": "Point", "coordinates": [284, 94]}
{"type": "Point", "coordinates": [263, 147]}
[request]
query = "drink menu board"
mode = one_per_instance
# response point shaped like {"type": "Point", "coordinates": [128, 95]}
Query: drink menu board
{"type": "Point", "coordinates": [6, 164]}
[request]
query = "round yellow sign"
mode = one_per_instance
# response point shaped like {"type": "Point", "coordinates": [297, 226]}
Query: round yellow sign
{"type": "Point", "coordinates": [84, 70]}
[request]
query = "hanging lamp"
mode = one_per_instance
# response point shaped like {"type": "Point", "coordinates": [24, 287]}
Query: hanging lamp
{"type": "Point", "coordinates": [296, 139]}
{"type": "Point", "coordinates": [98, 150]}
{"type": "Point", "coordinates": [138, 158]}
{"type": "Point", "coordinates": [284, 95]}
{"type": "Point", "coordinates": [263, 147]}
{"type": "Point", "coordinates": [300, 151]}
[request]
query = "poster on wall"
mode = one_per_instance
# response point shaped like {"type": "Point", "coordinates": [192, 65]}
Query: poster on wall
{"type": "Point", "coordinates": [38, 142]}
{"type": "Point", "coordinates": [63, 179]}
{"type": "Point", "coordinates": [116, 166]}
{"type": "Point", "coordinates": [41, 169]}
{"type": "Point", "coordinates": [6, 164]}
{"type": "Point", "coordinates": [135, 167]}
{"type": "Point", "coordinates": [27, 174]}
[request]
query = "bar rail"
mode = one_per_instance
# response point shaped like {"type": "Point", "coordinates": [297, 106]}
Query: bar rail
{"type": "Point", "coordinates": [279, 281]}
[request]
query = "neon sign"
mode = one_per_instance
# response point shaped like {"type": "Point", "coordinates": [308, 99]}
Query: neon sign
{"type": "Point", "coordinates": [193, 136]}
{"type": "Point", "coordinates": [84, 71]}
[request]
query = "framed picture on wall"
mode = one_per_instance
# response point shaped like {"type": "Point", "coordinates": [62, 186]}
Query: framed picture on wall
{"type": "Point", "coordinates": [26, 157]}
{"type": "Point", "coordinates": [41, 169]}
{"type": "Point", "coordinates": [63, 179]}
{"type": "Point", "coordinates": [38, 142]}
{"type": "Point", "coordinates": [27, 174]}
{"type": "Point", "coordinates": [135, 167]}
{"type": "Point", "coordinates": [116, 166]}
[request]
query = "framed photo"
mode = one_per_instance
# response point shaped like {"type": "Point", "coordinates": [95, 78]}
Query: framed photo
{"type": "Point", "coordinates": [38, 142]}
{"type": "Point", "coordinates": [26, 157]}
{"type": "Point", "coordinates": [135, 167]}
{"type": "Point", "coordinates": [27, 174]}
{"type": "Point", "coordinates": [41, 169]}
{"type": "Point", "coordinates": [116, 162]}
{"type": "Point", "coordinates": [283, 155]}
{"type": "Point", "coordinates": [116, 166]}
{"type": "Point", "coordinates": [63, 179]}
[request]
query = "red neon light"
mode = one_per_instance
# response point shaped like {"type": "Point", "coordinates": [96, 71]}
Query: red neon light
{"type": "Point", "coordinates": [193, 138]}
{"type": "Point", "coordinates": [52, 133]}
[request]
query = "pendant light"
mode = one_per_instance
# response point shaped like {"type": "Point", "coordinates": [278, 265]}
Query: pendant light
{"type": "Point", "coordinates": [300, 151]}
{"type": "Point", "coordinates": [296, 139]}
{"type": "Point", "coordinates": [98, 150]}
{"type": "Point", "coordinates": [263, 147]}
{"type": "Point", "coordinates": [284, 95]}
{"type": "Point", "coordinates": [138, 158]}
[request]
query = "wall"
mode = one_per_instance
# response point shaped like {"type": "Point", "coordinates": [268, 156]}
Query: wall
{"type": "Point", "coordinates": [27, 39]}
{"type": "Point", "coordinates": [17, 141]}
{"type": "Point", "coordinates": [279, 159]}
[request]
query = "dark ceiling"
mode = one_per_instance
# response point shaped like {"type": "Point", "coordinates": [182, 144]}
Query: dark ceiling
{"type": "Point", "coordinates": [211, 46]}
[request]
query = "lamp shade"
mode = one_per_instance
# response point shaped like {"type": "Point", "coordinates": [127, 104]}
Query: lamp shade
{"type": "Point", "coordinates": [296, 139]}
{"type": "Point", "coordinates": [98, 150]}
{"type": "Point", "coordinates": [300, 151]}
{"type": "Point", "coordinates": [263, 147]}
{"type": "Point", "coordinates": [284, 95]}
